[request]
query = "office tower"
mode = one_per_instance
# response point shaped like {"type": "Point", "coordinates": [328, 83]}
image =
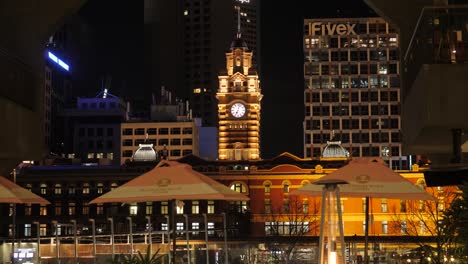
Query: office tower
{"type": "Point", "coordinates": [192, 37]}
{"type": "Point", "coordinates": [352, 87]}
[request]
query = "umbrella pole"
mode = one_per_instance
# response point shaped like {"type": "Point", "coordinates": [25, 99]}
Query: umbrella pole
{"type": "Point", "coordinates": [366, 233]}
{"type": "Point", "coordinates": [173, 223]}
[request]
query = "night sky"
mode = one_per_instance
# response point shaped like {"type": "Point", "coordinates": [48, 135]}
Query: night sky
{"type": "Point", "coordinates": [119, 28]}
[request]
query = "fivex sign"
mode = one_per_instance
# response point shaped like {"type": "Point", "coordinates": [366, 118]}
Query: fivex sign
{"type": "Point", "coordinates": [318, 28]}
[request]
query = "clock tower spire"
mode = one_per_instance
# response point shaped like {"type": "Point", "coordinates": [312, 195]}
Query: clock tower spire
{"type": "Point", "coordinates": [239, 96]}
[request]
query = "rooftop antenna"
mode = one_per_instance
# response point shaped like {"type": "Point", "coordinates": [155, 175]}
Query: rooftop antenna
{"type": "Point", "coordinates": [238, 22]}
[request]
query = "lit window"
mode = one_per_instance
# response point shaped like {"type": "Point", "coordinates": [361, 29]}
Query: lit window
{"type": "Point", "coordinates": [27, 230]}
{"type": "Point", "coordinates": [239, 187]}
{"type": "Point", "coordinates": [99, 209]}
{"type": "Point", "coordinates": [164, 227]}
{"type": "Point", "coordinates": [164, 208]}
{"type": "Point", "coordinates": [27, 209]}
{"type": "Point", "coordinates": [211, 226]}
{"type": "Point", "coordinates": [149, 208]}
{"type": "Point", "coordinates": [195, 207]}
{"type": "Point", "coordinates": [71, 189]}
{"type": "Point", "coordinates": [100, 187]}
{"type": "Point", "coordinates": [267, 187]}
{"type": "Point", "coordinates": [114, 185]}
{"type": "Point", "coordinates": [43, 188]}
{"type": "Point", "coordinates": [384, 227]}
{"type": "Point", "coordinates": [71, 208]}
{"type": "Point", "coordinates": [43, 230]}
{"type": "Point", "coordinates": [133, 209]}
{"type": "Point", "coordinates": [384, 205]}
{"type": "Point", "coordinates": [43, 210]}
{"type": "Point", "coordinates": [195, 226]}
{"type": "Point", "coordinates": [180, 207]}
{"type": "Point", "coordinates": [58, 189]}
{"type": "Point", "coordinates": [85, 209]}
{"type": "Point", "coordinates": [305, 206]}
{"type": "Point", "coordinates": [86, 188]}
{"type": "Point", "coordinates": [211, 207]}
{"type": "Point", "coordinates": [267, 206]}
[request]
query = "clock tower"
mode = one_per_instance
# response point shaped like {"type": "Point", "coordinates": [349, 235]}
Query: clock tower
{"type": "Point", "coordinates": [239, 97]}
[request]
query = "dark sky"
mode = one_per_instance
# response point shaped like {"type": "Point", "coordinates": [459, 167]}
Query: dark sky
{"type": "Point", "coordinates": [119, 27]}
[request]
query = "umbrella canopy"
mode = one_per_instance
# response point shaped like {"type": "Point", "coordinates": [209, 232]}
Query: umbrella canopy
{"type": "Point", "coordinates": [367, 177]}
{"type": "Point", "coordinates": [10, 192]}
{"type": "Point", "coordinates": [167, 181]}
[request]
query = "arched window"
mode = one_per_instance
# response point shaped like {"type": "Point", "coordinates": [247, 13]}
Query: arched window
{"type": "Point", "coordinates": [239, 187]}
{"type": "Point", "coordinates": [286, 185]}
{"type": "Point", "coordinates": [100, 187]}
{"type": "Point", "coordinates": [43, 188]}
{"type": "Point", "coordinates": [305, 182]}
{"type": "Point", "coordinates": [58, 189]}
{"type": "Point", "coordinates": [114, 185]}
{"type": "Point", "coordinates": [85, 188]}
{"type": "Point", "coordinates": [267, 185]}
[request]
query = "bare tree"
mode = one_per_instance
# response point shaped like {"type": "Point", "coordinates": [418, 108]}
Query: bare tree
{"type": "Point", "coordinates": [427, 219]}
{"type": "Point", "coordinates": [287, 225]}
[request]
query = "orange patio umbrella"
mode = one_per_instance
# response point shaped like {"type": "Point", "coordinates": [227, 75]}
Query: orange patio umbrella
{"type": "Point", "coordinates": [170, 180]}
{"type": "Point", "coordinates": [366, 177]}
{"type": "Point", "coordinates": [10, 192]}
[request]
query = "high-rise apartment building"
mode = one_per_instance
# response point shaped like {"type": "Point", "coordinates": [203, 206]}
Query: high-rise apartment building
{"type": "Point", "coordinates": [197, 33]}
{"type": "Point", "coordinates": [352, 87]}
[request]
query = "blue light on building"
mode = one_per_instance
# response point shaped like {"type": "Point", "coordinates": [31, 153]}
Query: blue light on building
{"type": "Point", "coordinates": [58, 61]}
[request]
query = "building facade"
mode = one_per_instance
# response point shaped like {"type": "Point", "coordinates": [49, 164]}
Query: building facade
{"type": "Point", "coordinates": [352, 87]}
{"type": "Point", "coordinates": [170, 139]}
{"type": "Point", "coordinates": [270, 218]}
{"type": "Point", "coordinates": [239, 96]}
{"type": "Point", "coordinates": [92, 128]}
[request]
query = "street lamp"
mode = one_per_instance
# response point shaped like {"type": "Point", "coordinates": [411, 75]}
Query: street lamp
{"type": "Point", "coordinates": [226, 260]}
{"type": "Point", "coordinates": [111, 220]}
{"type": "Point", "coordinates": [150, 227]}
{"type": "Point", "coordinates": [75, 240]}
{"type": "Point", "coordinates": [57, 246]}
{"type": "Point", "coordinates": [187, 237]}
{"type": "Point", "coordinates": [131, 234]}
{"type": "Point", "coordinates": [38, 227]}
{"type": "Point", "coordinates": [206, 238]}
{"type": "Point", "coordinates": [93, 230]}
{"type": "Point", "coordinates": [168, 239]}
{"type": "Point", "coordinates": [13, 226]}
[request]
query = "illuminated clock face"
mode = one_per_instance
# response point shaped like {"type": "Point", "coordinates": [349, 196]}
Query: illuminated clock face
{"type": "Point", "coordinates": [238, 110]}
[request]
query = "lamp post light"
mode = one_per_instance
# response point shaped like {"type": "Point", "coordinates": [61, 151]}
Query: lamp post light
{"type": "Point", "coordinates": [226, 260]}
{"type": "Point", "coordinates": [187, 237]}
{"type": "Point", "coordinates": [75, 240]}
{"type": "Point", "coordinates": [131, 234]}
{"type": "Point", "coordinates": [111, 221]}
{"type": "Point", "coordinates": [13, 226]}
{"type": "Point", "coordinates": [57, 245]}
{"type": "Point", "coordinates": [206, 238]}
{"type": "Point", "coordinates": [150, 239]}
{"type": "Point", "coordinates": [168, 239]}
{"type": "Point", "coordinates": [93, 231]}
{"type": "Point", "coordinates": [38, 227]}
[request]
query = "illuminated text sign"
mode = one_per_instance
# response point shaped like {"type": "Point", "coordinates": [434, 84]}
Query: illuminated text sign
{"type": "Point", "coordinates": [318, 28]}
{"type": "Point", "coordinates": [57, 60]}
